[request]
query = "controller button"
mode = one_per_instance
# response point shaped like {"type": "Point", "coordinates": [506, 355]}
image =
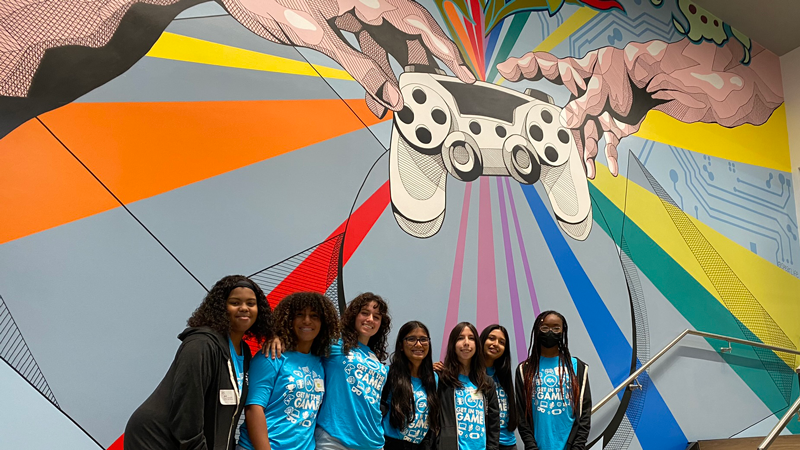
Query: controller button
{"type": "Point", "coordinates": [546, 116]}
{"type": "Point", "coordinates": [563, 136]}
{"type": "Point", "coordinates": [439, 116]}
{"type": "Point", "coordinates": [550, 153]}
{"type": "Point", "coordinates": [500, 130]}
{"type": "Point", "coordinates": [521, 157]}
{"type": "Point", "coordinates": [424, 135]}
{"type": "Point", "coordinates": [536, 133]}
{"type": "Point", "coordinates": [475, 127]}
{"type": "Point", "coordinates": [406, 115]}
{"type": "Point", "coordinates": [419, 96]}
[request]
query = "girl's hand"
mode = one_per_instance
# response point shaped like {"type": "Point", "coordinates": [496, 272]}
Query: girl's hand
{"type": "Point", "coordinates": [438, 367]}
{"type": "Point", "coordinates": [274, 348]}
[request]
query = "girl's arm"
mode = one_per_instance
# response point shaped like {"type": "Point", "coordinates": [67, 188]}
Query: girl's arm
{"type": "Point", "coordinates": [257, 427]}
{"type": "Point", "coordinates": [585, 420]}
{"type": "Point", "coordinates": [524, 425]}
{"type": "Point", "coordinates": [492, 420]}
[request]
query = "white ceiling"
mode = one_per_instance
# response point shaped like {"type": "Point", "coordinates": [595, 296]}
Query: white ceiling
{"type": "Point", "coordinates": [775, 24]}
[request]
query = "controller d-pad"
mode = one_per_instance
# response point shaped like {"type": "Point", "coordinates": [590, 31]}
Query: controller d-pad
{"type": "Point", "coordinates": [406, 115]}
{"type": "Point", "coordinates": [419, 96]}
{"type": "Point", "coordinates": [439, 116]}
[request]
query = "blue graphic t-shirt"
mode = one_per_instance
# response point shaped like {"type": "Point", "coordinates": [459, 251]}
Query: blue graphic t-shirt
{"type": "Point", "coordinates": [351, 411]}
{"type": "Point", "coordinates": [470, 416]}
{"type": "Point", "coordinates": [506, 437]}
{"type": "Point", "coordinates": [553, 415]}
{"type": "Point", "coordinates": [415, 431]}
{"type": "Point", "coordinates": [290, 389]}
{"type": "Point", "coordinates": [238, 365]}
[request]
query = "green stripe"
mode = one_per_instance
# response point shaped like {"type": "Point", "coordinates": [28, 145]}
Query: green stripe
{"type": "Point", "coordinates": [517, 24]}
{"type": "Point", "coordinates": [703, 311]}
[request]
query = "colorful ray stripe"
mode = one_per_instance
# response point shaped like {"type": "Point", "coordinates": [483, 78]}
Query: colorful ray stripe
{"type": "Point", "coordinates": [183, 48]}
{"type": "Point", "coordinates": [488, 312]}
{"type": "Point", "coordinates": [459, 34]}
{"type": "Point", "coordinates": [657, 426]}
{"type": "Point", "coordinates": [690, 299]}
{"type": "Point", "coordinates": [510, 39]}
{"type": "Point", "coordinates": [149, 140]}
{"type": "Point", "coordinates": [451, 318]}
{"type": "Point", "coordinates": [774, 288]}
{"type": "Point", "coordinates": [764, 145]}
{"type": "Point", "coordinates": [511, 271]}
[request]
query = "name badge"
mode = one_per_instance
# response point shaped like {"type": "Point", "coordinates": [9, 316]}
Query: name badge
{"type": "Point", "coordinates": [319, 385]}
{"type": "Point", "coordinates": [227, 397]}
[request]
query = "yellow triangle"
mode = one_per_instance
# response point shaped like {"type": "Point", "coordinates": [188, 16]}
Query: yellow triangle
{"type": "Point", "coordinates": [183, 48]}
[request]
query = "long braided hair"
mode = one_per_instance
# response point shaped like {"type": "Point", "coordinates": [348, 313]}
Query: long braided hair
{"type": "Point", "coordinates": [564, 364]}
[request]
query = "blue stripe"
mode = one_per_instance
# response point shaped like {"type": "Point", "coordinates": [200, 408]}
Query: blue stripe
{"type": "Point", "coordinates": [657, 427]}
{"type": "Point", "coordinates": [490, 46]}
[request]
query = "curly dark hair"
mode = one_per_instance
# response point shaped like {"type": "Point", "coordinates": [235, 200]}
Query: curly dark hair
{"type": "Point", "coordinates": [378, 342]}
{"type": "Point", "coordinates": [292, 304]}
{"type": "Point", "coordinates": [213, 311]}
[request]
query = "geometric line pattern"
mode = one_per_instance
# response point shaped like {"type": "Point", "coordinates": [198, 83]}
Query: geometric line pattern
{"type": "Point", "coordinates": [15, 352]}
{"type": "Point", "coordinates": [753, 319]}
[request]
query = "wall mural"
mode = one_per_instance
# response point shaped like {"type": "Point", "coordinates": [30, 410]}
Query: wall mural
{"type": "Point", "coordinates": [445, 154]}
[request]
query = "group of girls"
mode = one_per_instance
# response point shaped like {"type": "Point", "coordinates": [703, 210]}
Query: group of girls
{"type": "Point", "coordinates": [320, 382]}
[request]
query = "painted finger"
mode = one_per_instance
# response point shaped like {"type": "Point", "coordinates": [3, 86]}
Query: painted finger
{"type": "Point", "coordinates": [377, 108]}
{"type": "Point", "coordinates": [421, 23]}
{"type": "Point", "coordinates": [570, 78]}
{"type": "Point", "coordinates": [511, 69]}
{"type": "Point", "coordinates": [612, 141]}
{"type": "Point", "coordinates": [590, 137]}
{"type": "Point", "coordinates": [590, 104]}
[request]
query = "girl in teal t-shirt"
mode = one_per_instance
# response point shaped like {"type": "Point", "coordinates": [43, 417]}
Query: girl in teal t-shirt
{"type": "Point", "coordinates": [553, 390]}
{"type": "Point", "coordinates": [470, 416]}
{"type": "Point", "coordinates": [494, 343]}
{"type": "Point", "coordinates": [409, 400]}
{"type": "Point", "coordinates": [286, 392]}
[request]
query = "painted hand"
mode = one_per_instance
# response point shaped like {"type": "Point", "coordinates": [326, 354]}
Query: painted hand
{"type": "Point", "coordinates": [613, 89]}
{"type": "Point", "coordinates": [400, 28]}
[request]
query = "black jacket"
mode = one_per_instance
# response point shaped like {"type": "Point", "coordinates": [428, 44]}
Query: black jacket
{"type": "Point", "coordinates": [448, 436]}
{"type": "Point", "coordinates": [185, 412]}
{"type": "Point", "coordinates": [580, 428]}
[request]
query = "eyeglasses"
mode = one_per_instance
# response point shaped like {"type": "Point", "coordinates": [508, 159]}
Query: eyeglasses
{"type": "Point", "coordinates": [545, 329]}
{"type": "Point", "coordinates": [412, 340]}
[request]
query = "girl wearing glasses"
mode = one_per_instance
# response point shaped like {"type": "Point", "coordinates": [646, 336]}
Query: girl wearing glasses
{"type": "Point", "coordinates": [494, 340]}
{"type": "Point", "coordinates": [409, 400]}
{"type": "Point", "coordinates": [470, 416]}
{"type": "Point", "coordinates": [552, 388]}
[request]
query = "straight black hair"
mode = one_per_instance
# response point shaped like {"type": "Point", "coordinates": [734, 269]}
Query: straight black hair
{"type": "Point", "coordinates": [477, 366]}
{"type": "Point", "coordinates": [502, 369]}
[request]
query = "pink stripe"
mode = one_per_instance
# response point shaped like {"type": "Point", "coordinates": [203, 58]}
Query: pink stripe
{"type": "Point", "coordinates": [487, 278]}
{"type": "Point", "coordinates": [451, 319]}
{"type": "Point", "coordinates": [525, 265]}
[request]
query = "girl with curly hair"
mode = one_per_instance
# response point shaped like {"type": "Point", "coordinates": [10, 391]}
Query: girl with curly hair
{"type": "Point", "coordinates": [286, 392]}
{"type": "Point", "coordinates": [494, 343]}
{"type": "Point", "coordinates": [198, 403]}
{"type": "Point", "coordinates": [411, 417]}
{"type": "Point", "coordinates": [470, 415]}
{"type": "Point", "coordinates": [553, 396]}
{"type": "Point", "coordinates": [350, 417]}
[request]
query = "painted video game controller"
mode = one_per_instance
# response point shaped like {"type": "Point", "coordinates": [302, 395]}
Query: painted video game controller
{"type": "Point", "coordinates": [480, 129]}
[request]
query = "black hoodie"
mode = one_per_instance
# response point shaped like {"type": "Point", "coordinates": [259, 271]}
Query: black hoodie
{"type": "Point", "coordinates": [197, 405]}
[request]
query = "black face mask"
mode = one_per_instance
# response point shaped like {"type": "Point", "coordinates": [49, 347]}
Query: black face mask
{"type": "Point", "coordinates": [550, 339]}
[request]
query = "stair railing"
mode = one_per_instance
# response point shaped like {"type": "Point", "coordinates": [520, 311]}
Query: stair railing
{"type": "Point", "coordinates": [783, 422]}
{"type": "Point", "coordinates": [633, 383]}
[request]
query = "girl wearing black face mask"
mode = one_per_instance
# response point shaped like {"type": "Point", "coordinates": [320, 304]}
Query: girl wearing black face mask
{"type": "Point", "coordinates": [554, 401]}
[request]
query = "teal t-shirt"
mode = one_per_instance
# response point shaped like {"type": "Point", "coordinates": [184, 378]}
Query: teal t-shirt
{"type": "Point", "coordinates": [470, 416]}
{"type": "Point", "coordinates": [351, 411]}
{"type": "Point", "coordinates": [506, 437]}
{"type": "Point", "coordinates": [415, 431]}
{"type": "Point", "coordinates": [553, 415]}
{"type": "Point", "coordinates": [238, 364]}
{"type": "Point", "coordinates": [290, 389]}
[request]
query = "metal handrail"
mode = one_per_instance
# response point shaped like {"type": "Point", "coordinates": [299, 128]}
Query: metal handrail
{"type": "Point", "coordinates": [781, 423]}
{"type": "Point", "coordinates": [627, 383]}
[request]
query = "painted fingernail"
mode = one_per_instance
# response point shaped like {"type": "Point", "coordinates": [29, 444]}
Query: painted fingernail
{"type": "Point", "coordinates": [570, 117]}
{"type": "Point", "coordinates": [468, 76]}
{"type": "Point", "coordinates": [392, 96]}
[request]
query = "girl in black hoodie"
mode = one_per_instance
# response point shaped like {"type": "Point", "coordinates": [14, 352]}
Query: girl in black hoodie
{"type": "Point", "coordinates": [198, 403]}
